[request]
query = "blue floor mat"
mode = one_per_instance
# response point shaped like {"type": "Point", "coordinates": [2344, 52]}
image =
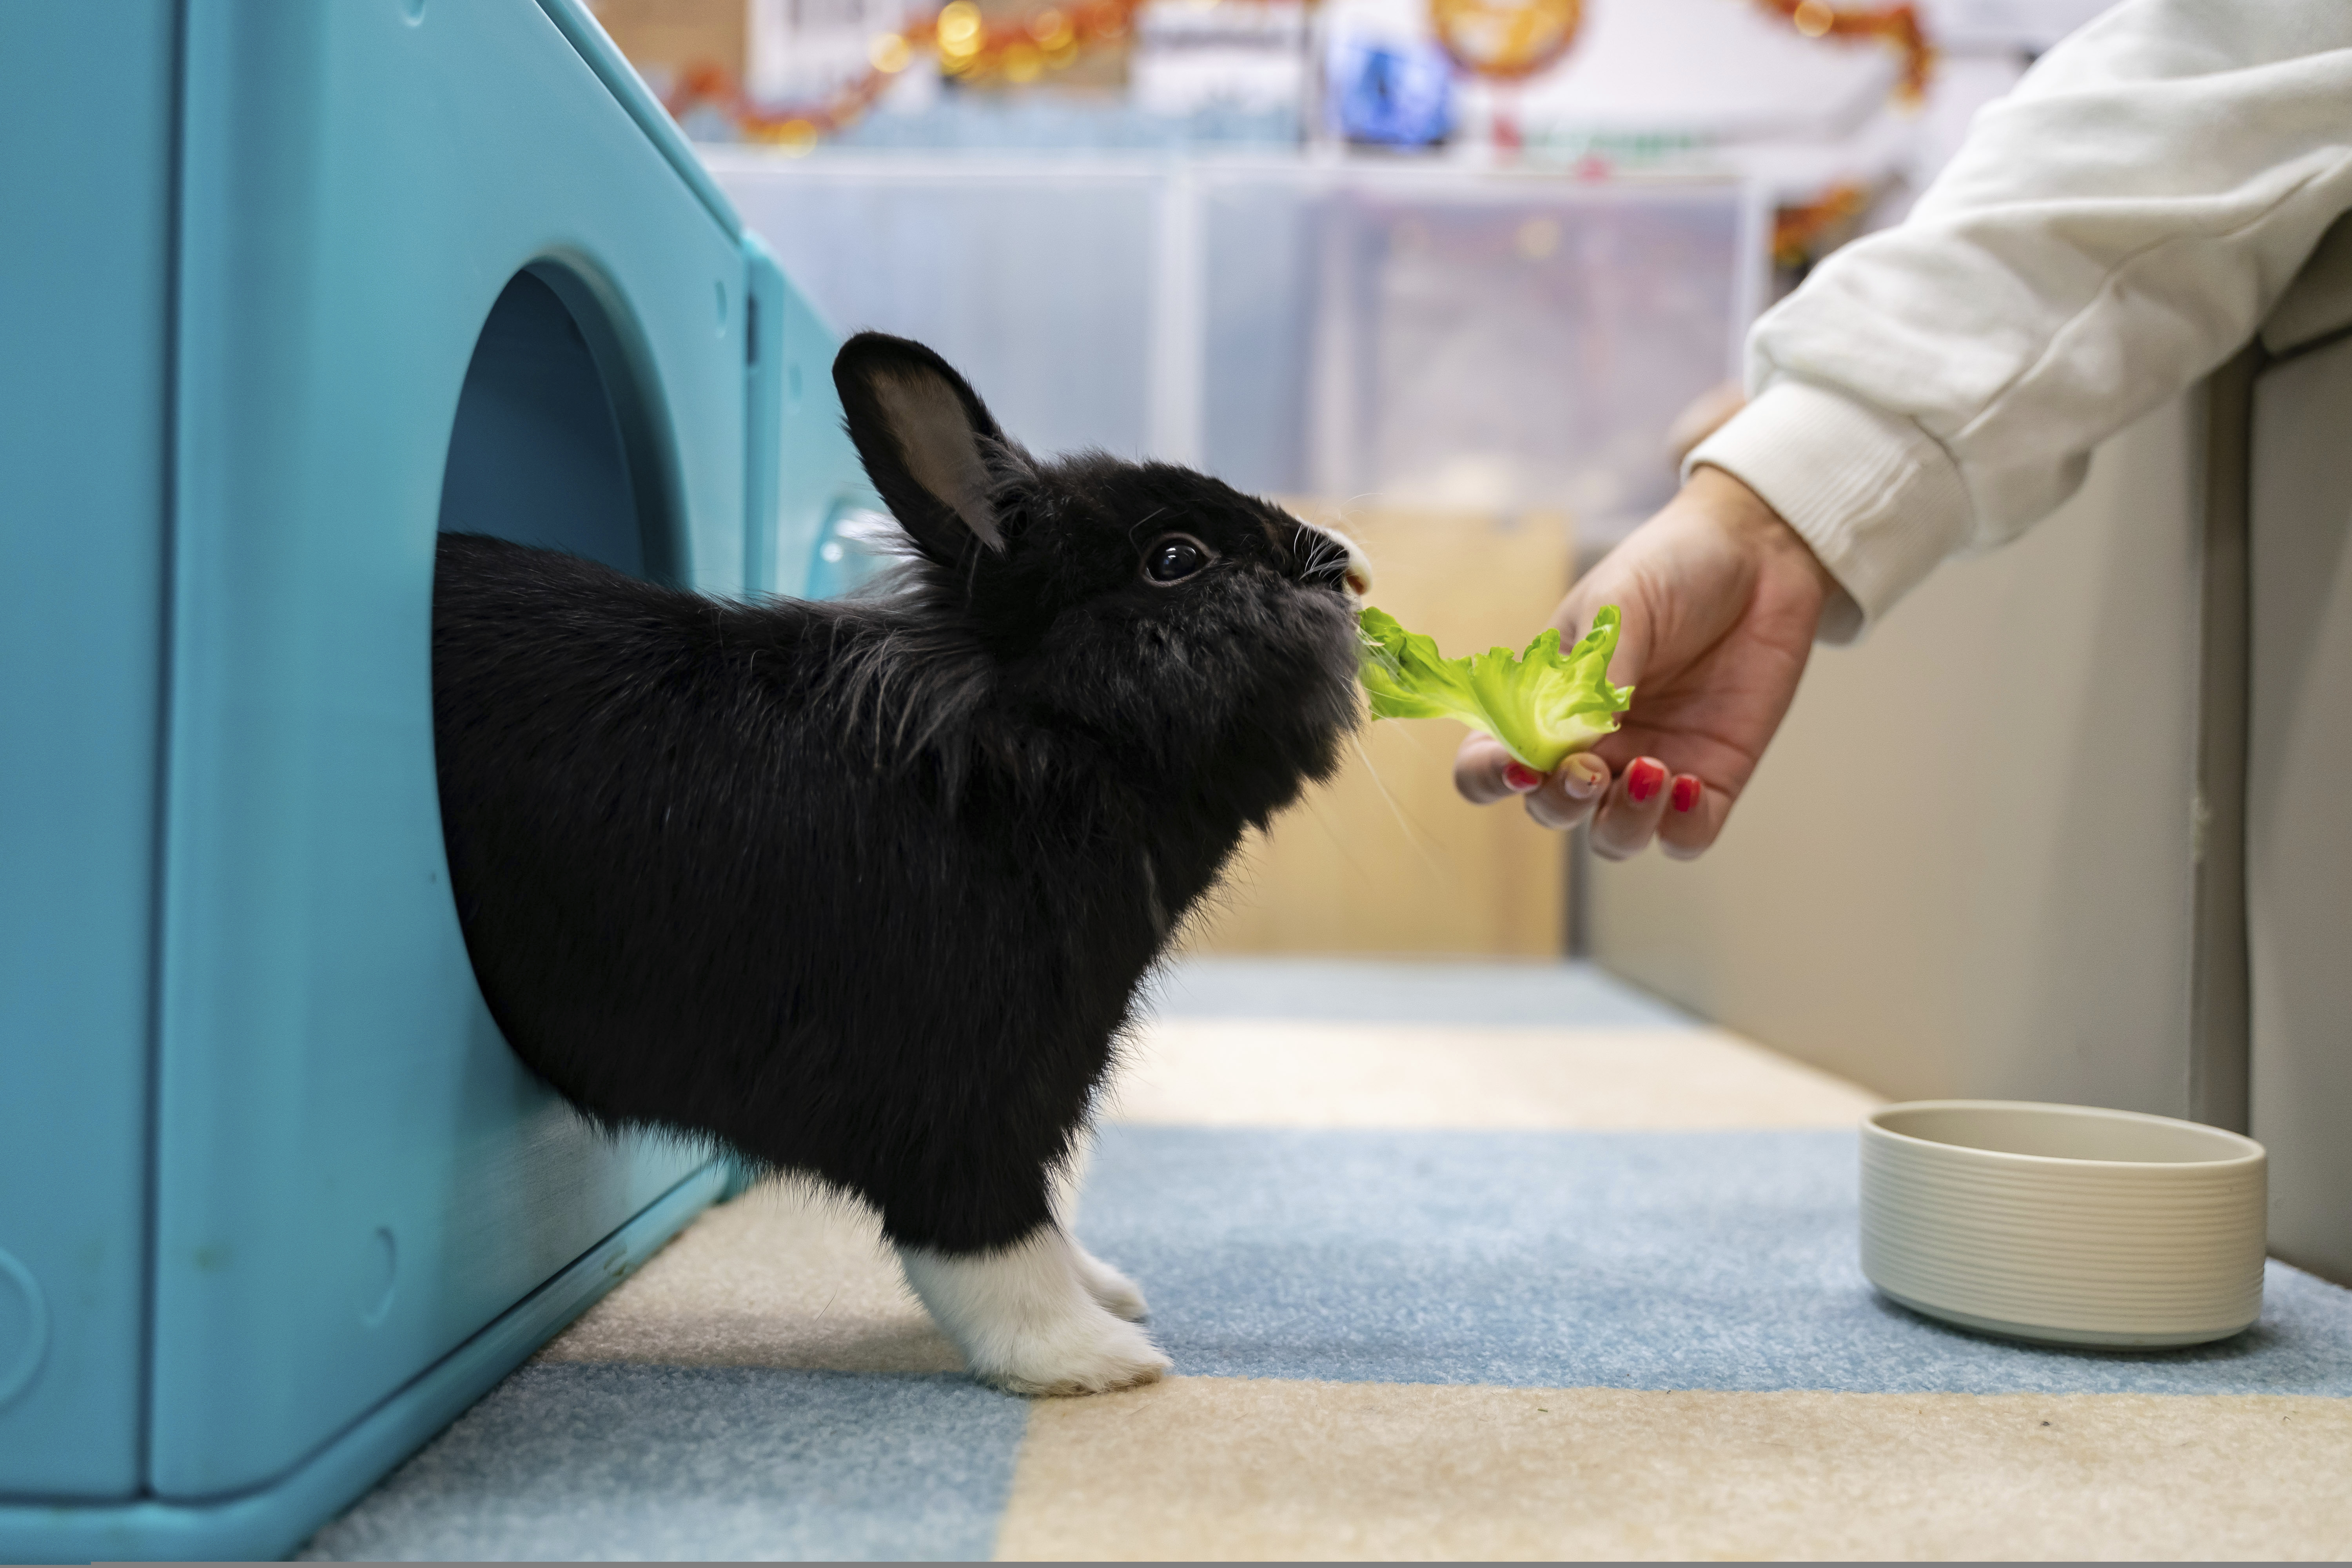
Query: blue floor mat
{"type": "Point", "coordinates": [572, 1462]}
{"type": "Point", "coordinates": [1649, 1260]}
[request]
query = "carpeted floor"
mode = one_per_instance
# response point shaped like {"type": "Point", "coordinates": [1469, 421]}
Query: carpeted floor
{"type": "Point", "coordinates": [1454, 1262]}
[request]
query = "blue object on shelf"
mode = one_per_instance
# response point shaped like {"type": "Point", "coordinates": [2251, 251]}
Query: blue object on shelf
{"type": "Point", "coordinates": [1390, 93]}
{"type": "Point", "coordinates": [296, 286]}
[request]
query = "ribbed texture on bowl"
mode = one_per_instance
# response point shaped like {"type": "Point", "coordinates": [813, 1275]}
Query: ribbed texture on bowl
{"type": "Point", "coordinates": [2101, 1249]}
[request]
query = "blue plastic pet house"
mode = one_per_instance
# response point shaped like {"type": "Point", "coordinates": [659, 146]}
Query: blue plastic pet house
{"type": "Point", "coordinates": [283, 287]}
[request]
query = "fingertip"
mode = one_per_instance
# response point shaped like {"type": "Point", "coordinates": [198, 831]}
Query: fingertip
{"type": "Point", "coordinates": [1478, 771]}
{"type": "Point", "coordinates": [1568, 795]}
{"type": "Point", "coordinates": [1628, 817]}
{"type": "Point", "coordinates": [1644, 779]}
{"type": "Point", "coordinates": [1685, 833]}
{"type": "Point", "coordinates": [1584, 777]}
{"type": "Point", "coordinates": [1553, 809]}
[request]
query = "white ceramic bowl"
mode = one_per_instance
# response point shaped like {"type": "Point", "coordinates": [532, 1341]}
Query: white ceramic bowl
{"type": "Point", "coordinates": [2063, 1223]}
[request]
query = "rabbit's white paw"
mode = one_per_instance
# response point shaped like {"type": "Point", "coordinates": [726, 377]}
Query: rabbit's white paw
{"type": "Point", "coordinates": [1120, 1295]}
{"type": "Point", "coordinates": [1089, 1354]}
{"type": "Point", "coordinates": [1027, 1317]}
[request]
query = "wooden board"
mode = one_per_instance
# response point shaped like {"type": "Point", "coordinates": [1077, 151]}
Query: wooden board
{"type": "Point", "coordinates": [1387, 858]}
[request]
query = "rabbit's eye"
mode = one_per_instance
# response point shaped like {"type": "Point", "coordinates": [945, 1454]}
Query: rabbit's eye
{"type": "Point", "coordinates": [1174, 558]}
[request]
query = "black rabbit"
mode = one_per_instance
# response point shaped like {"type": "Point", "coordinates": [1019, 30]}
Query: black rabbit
{"type": "Point", "coordinates": [865, 888]}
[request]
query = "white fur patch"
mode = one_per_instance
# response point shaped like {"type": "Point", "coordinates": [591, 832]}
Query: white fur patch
{"type": "Point", "coordinates": [1037, 1317]}
{"type": "Point", "coordinates": [1118, 1295]}
{"type": "Point", "coordinates": [1360, 565]}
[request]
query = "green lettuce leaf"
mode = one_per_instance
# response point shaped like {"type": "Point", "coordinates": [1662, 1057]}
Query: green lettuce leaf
{"type": "Point", "coordinates": [1543, 704]}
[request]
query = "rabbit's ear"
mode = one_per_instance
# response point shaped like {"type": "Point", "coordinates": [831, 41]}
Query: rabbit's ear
{"type": "Point", "coordinates": [925, 438]}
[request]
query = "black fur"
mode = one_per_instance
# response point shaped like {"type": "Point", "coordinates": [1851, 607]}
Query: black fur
{"type": "Point", "coordinates": [865, 888]}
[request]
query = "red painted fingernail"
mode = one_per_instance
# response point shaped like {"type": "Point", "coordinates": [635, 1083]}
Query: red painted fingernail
{"type": "Point", "coordinates": [1520, 776]}
{"type": "Point", "coordinates": [1685, 792]}
{"type": "Point", "coordinates": [1644, 779]}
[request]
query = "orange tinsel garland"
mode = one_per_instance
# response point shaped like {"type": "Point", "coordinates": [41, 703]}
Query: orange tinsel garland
{"type": "Point", "coordinates": [1896, 26]}
{"type": "Point", "coordinates": [1505, 40]}
{"type": "Point", "coordinates": [1803, 235]}
{"type": "Point", "coordinates": [970, 46]}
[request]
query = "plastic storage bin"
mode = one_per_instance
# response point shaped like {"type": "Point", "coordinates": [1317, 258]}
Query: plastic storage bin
{"type": "Point", "coordinates": [281, 290]}
{"type": "Point", "coordinates": [1401, 333]}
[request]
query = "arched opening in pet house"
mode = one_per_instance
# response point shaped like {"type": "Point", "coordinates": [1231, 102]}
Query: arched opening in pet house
{"type": "Point", "coordinates": [555, 442]}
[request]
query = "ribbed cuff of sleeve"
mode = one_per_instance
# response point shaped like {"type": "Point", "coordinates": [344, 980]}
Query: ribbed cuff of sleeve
{"type": "Point", "coordinates": [1878, 498]}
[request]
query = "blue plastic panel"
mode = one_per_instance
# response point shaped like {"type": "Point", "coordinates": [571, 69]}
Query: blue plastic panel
{"type": "Point", "coordinates": [809, 474]}
{"type": "Point", "coordinates": [256, 1526]}
{"type": "Point", "coordinates": [587, 35]}
{"type": "Point", "coordinates": [821, 478]}
{"type": "Point", "coordinates": [355, 1173]}
{"type": "Point", "coordinates": [765, 288]}
{"type": "Point", "coordinates": [85, 231]}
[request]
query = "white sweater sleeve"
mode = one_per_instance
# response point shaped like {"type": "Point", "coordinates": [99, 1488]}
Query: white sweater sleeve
{"type": "Point", "coordinates": [2109, 232]}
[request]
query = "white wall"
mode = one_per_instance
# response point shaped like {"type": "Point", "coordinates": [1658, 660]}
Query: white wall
{"type": "Point", "coordinates": [1967, 866]}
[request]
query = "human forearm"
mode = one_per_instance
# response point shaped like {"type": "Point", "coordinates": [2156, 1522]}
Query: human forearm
{"type": "Point", "coordinates": [2109, 233]}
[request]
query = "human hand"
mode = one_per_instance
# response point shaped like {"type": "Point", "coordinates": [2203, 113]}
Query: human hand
{"type": "Point", "coordinates": [1721, 600]}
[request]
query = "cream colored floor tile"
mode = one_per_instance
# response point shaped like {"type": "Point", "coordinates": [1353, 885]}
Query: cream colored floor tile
{"type": "Point", "coordinates": [780, 1278]}
{"type": "Point", "coordinates": [1235, 1073]}
{"type": "Point", "coordinates": [1204, 1467]}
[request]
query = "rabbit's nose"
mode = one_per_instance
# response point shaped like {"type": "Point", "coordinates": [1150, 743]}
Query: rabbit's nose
{"type": "Point", "coordinates": [1332, 559]}
{"type": "Point", "coordinates": [1358, 572]}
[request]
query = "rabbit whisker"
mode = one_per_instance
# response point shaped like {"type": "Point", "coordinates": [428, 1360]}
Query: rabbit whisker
{"type": "Point", "coordinates": [1414, 835]}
